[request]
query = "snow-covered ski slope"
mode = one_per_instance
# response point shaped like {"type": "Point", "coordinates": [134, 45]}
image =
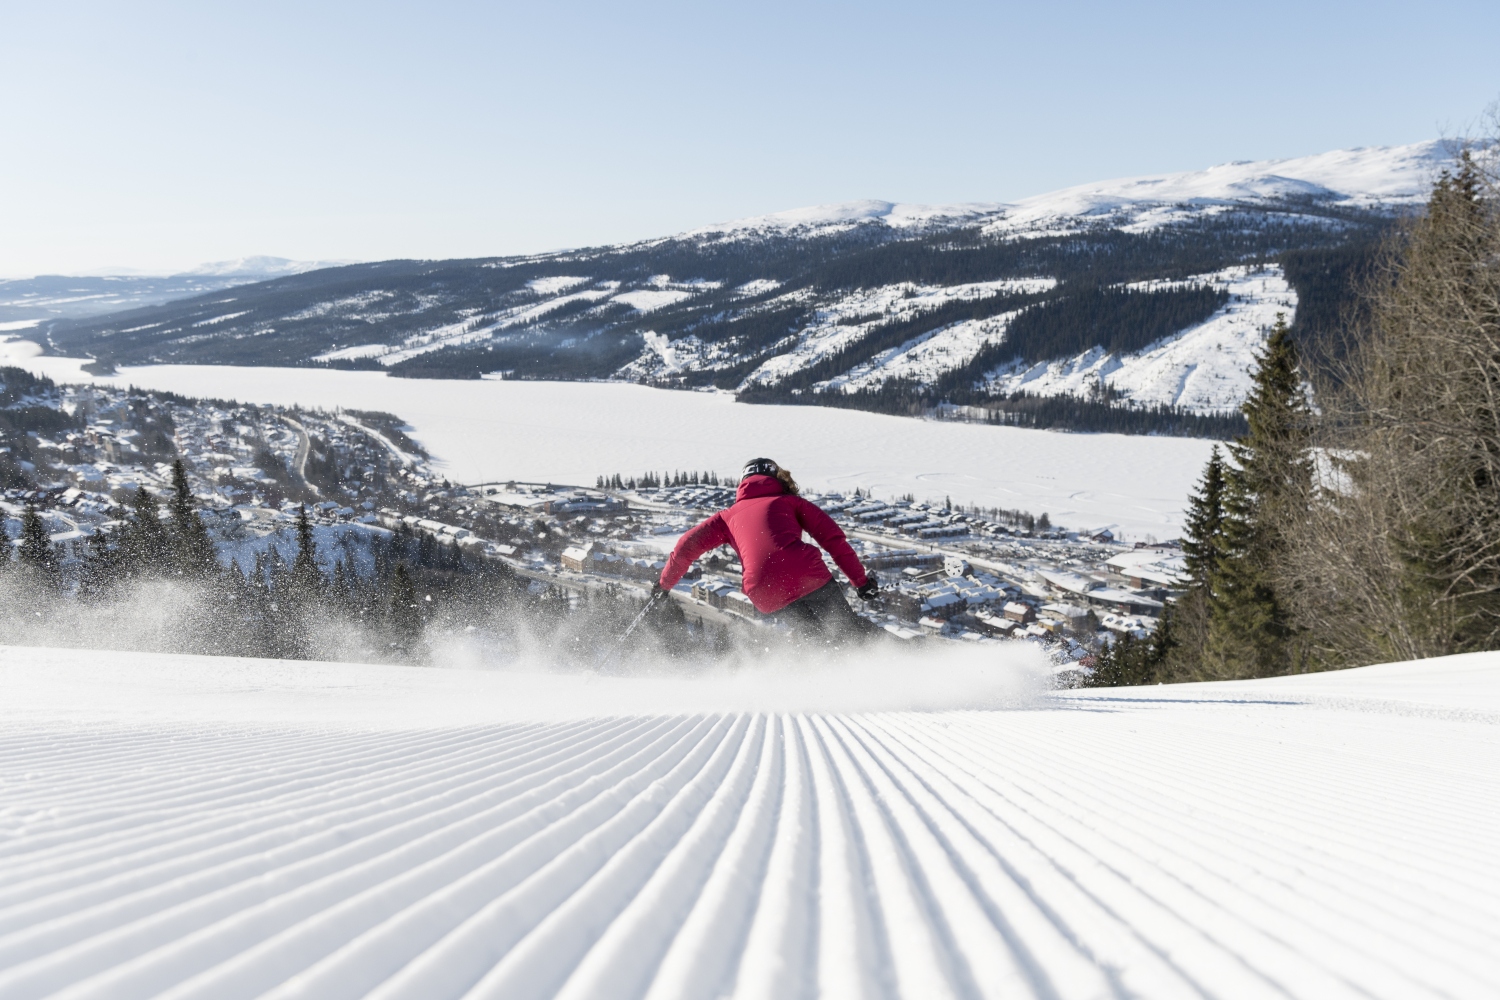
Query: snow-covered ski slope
{"type": "Point", "coordinates": [1205, 368]}
{"type": "Point", "coordinates": [189, 827]}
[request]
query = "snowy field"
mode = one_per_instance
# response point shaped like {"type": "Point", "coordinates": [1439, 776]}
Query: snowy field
{"type": "Point", "coordinates": [193, 827]}
{"type": "Point", "coordinates": [572, 432]}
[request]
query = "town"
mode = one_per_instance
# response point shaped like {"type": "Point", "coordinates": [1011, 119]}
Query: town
{"type": "Point", "coordinates": [76, 455]}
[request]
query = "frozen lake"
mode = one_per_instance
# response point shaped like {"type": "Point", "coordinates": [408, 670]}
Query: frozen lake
{"type": "Point", "coordinates": [571, 432]}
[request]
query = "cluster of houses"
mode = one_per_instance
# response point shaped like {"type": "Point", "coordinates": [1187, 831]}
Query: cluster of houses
{"type": "Point", "coordinates": [941, 569]}
{"type": "Point", "coordinates": [590, 558]}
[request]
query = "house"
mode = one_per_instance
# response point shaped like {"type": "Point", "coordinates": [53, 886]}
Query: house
{"type": "Point", "coordinates": [1139, 626]}
{"type": "Point", "coordinates": [576, 558]}
{"type": "Point", "coordinates": [582, 503]}
{"type": "Point", "coordinates": [994, 624]}
{"type": "Point", "coordinates": [737, 602]}
{"type": "Point", "coordinates": [933, 626]}
{"type": "Point", "coordinates": [944, 605]}
{"type": "Point", "coordinates": [714, 593]}
{"type": "Point", "coordinates": [1018, 612]}
{"type": "Point", "coordinates": [1150, 567]}
{"type": "Point", "coordinates": [897, 558]}
{"type": "Point", "coordinates": [903, 603]}
{"type": "Point", "coordinates": [1069, 614]}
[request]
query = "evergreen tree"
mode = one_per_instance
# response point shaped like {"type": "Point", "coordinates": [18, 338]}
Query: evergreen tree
{"type": "Point", "coordinates": [1205, 522]}
{"type": "Point", "coordinates": [1434, 446]}
{"type": "Point", "coordinates": [305, 576]}
{"type": "Point", "coordinates": [405, 617]}
{"type": "Point", "coordinates": [36, 551]}
{"type": "Point", "coordinates": [1163, 645]}
{"type": "Point", "coordinates": [144, 543]}
{"type": "Point", "coordinates": [1182, 634]}
{"type": "Point", "coordinates": [1125, 662]}
{"type": "Point", "coordinates": [194, 549]}
{"type": "Point", "coordinates": [1268, 488]}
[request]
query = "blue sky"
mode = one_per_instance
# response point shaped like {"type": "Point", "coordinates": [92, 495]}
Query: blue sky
{"type": "Point", "coordinates": [157, 136]}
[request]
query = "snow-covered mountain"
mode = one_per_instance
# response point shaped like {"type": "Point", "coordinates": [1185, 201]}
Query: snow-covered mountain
{"type": "Point", "coordinates": [261, 268]}
{"type": "Point", "coordinates": [1128, 294]}
{"type": "Point", "coordinates": [1355, 178]}
{"type": "Point", "coordinates": [51, 296]}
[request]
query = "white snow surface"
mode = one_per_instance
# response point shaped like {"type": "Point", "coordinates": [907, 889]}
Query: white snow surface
{"type": "Point", "coordinates": [1205, 369]}
{"type": "Point", "coordinates": [572, 432]}
{"type": "Point", "coordinates": [187, 827]}
{"type": "Point", "coordinates": [651, 299]}
{"type": "Point", "coordinates": [1389, 175]}
{"type": "Point", "coordinates": [851, 317]}
{"type": "Point", "coordinates": [262, 266]}
{"type": "Point", "coordinates": [555, 284]}
{"type": "Point", "coordinates": [847, 215]}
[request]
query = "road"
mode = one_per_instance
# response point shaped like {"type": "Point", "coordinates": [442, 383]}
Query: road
{"type": "Point", "coordinates": [304, 446]}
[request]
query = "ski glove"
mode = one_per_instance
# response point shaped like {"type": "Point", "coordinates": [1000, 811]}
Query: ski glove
{"type": "Point", "coordinates": [870, 590]}
{"type": "Point", "coordinates": [658, 592]}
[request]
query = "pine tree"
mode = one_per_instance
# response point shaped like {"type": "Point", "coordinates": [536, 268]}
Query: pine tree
{"type": "Point", "coordinates": [195, 550]}
{"type": "Point", "coordinates": [1269, 486]}
{"type": "Point", "coordinates": [1434, 444]}
{"type": "Point", "coordinates": [1163, 644]}
{"type": "Point", "coordinates": [1182, 633]}
{"type": "Point", "coordinates": [1125, 662]}
{"type": "Point", "coordinates": [36, 551]}
{"type": "Point", "coordinates": [1205, 522]}
{"type": "Point", "coordinates": [144, 544]}
{"type": "Point", "coordinates": [405, 617]}
{"type": "Point", "coordinates": [305, 576]}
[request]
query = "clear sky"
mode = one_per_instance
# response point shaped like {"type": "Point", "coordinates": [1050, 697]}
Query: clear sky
{"type": "Point", "coordinates": [158, 135]}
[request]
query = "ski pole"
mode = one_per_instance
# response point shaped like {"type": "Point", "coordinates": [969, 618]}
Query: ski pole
{"type": "Point", "coordinates": [620, 643]}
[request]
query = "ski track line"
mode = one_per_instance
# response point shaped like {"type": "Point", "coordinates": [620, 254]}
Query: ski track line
{"type": "Point", "coordinates": [1093, 847]}
{"type": "Point", "coordinates": [241, 830]}
{"type": "Point", "coordinates": [292, 847]}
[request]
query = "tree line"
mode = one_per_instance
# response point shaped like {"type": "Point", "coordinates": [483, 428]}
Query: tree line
{"type": "Point", "coordinates": [657, 480]}
{"type": "Point", "coordinates": [1099, 412]}
{"type": "Point", "coordinates": [1364, 529]}
{"type": "Point", "coordinates": [156, 580]}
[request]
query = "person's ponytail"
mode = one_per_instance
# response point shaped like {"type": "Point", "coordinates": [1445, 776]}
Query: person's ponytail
{"type": "Point", "coordinates": [788, 481]}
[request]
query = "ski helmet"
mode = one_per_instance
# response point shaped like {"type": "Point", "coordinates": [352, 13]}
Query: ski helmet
{"type": "Point", "coordinates": [759, 467]}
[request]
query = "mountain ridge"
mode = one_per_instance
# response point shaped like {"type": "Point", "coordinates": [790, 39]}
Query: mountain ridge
{"type": "Point", "coordinates": [913, 300]}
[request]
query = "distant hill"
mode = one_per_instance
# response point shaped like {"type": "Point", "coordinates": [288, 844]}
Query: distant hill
{"type": "Point", "coordinates": [51, 296]}
{"type": "Point", "coordinates": [1134, 304]}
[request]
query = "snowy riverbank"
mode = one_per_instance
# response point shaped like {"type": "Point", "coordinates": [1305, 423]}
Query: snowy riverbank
{"type": "Point", "coordinates": [195, 827]}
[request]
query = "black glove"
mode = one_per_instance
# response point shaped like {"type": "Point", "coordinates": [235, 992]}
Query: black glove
{"type": "Point", "coordinates": [870, 590]}
{"type": "Point", "coordinates": [658, 592]}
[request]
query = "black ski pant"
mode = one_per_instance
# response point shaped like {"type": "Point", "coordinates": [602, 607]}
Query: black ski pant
{"type": "Point", "coordinates": [824, 616]}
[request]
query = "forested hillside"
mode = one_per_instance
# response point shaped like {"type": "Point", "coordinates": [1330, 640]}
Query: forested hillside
{"type": "Point", "coordinates": [1148, 306]}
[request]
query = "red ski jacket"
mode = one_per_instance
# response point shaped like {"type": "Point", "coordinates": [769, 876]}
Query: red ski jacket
{"type": "Point", "coordinates": [765, 527]}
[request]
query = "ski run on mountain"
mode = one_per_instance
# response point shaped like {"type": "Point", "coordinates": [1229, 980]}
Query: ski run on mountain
{"type": "Point", "coordinates": [218, 828]}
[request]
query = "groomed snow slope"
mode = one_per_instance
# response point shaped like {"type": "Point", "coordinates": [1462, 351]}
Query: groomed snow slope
{"type": "Point", "coordinates": [190, 827]}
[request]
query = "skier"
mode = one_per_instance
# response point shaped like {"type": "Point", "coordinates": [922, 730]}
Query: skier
{"type": "Point", "coordinates": [783, 575]}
